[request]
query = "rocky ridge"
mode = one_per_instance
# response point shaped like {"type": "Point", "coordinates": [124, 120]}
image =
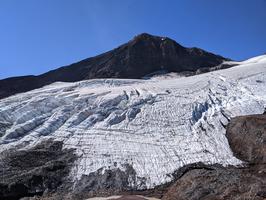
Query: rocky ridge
{"type": "Point", "coordinates": [143, 55]}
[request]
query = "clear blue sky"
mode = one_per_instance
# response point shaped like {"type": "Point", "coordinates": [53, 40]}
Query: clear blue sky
{"type": "Point", "coordinates": [40, 35]}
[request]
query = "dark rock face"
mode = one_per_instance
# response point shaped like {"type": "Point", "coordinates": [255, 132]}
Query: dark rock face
{"type": "Point", "coordinates": [107, 182]}
{"type": "Point", "coordinates": [42, 172]}
{"type": "Point", "coordinates": [35, 171]}
{"type": "Point", "coordinates": [143, 55]}
{"type": "Point", "coordinates": [219, 183]}
{"type": "Point", "coordinates": [247, 138]}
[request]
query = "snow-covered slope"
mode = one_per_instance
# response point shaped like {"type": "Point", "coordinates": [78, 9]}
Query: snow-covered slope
{"type": "Point", "coordinates": [155, 126]}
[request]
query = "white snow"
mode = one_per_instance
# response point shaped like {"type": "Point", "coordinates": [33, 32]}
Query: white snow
{"type": "Point", "coordinates": [155, 125]}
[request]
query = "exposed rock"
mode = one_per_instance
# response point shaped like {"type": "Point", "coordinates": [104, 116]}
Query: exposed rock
{"type": "Point", "coordinates": [42, 172]}
{"type": "Point", "coordinates": [219, 183]}
{"type": "Point", "coordinates": [247, 138]}
{"type": "Point", "coordinates": [143, 55]}
{"type": "Point", "coordinates": [107, 182]}
{"type": "Point", "coordinates": [42, 169]}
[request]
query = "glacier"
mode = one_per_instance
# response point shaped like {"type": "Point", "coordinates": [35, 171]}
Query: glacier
{"type": "Point", "coordinates": [156, 125]}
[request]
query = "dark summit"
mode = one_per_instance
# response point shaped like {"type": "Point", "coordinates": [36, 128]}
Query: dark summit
{"type": "Point", "coordinates": [144, 54]}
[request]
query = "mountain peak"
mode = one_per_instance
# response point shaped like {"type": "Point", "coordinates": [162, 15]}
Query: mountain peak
{"type": "Point", "coordinates": [149, 37]}
{"type": "Point", "coordinates": [144, 54]}
{"type": "Point", "coordinates": [144, 36]}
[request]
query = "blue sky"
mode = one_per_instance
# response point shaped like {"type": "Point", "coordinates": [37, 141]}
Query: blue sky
{"type": "Point", "coordinates": [40, 35]}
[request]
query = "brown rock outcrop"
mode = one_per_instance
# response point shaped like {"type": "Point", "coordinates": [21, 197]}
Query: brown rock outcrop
{"type": "Point", "coordinates": [247, 138]}
{"type": "Point", "coordinates": [220, 183]}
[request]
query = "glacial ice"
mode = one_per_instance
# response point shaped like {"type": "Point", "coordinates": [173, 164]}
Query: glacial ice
{"type": "Point", "coordinates": [155, 125]}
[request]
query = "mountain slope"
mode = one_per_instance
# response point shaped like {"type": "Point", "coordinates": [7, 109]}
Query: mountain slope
{"type": "Point", "coordinates": [135, 132]}
{"type": "Point", "coordinates": [142, 55]}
